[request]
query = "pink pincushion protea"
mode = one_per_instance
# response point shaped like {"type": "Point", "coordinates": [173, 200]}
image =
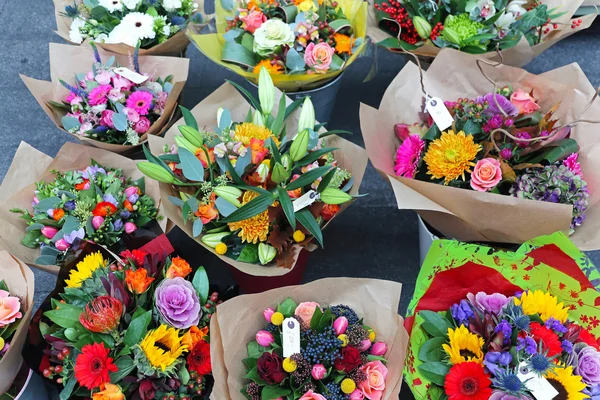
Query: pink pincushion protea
{"type": "Point", "coordinates": [99, 95]}
{"type": "Point", "coordinates": [140, 101]}
{"type": "Point", "coordinates": [572, 163]}
{"type": "Point", "coordinates": [408, 156]}
{"type": "Point", "coordinates": [10, 309]}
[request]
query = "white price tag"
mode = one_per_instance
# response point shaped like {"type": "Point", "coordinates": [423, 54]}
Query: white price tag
{"type": "Point", "coordinates": [538, 385]}
{"type": "Point", "coordinates": [438, 111]}
{"type": "Point", "coordinates": [305, 200]}
{"type": "Point", "coordinates": [131, 75]}
{"type": "Point", "coordinates": [291, 337]}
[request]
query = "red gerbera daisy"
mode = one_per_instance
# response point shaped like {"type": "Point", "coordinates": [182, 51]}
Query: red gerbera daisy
{"type": "Point", "coordinates": [104, 209]}
{"type": "Point", "coordinates": [93, 365]}
{"type": "Point", "coordinates": [550, 341]}
{"type": "Point", "coordinates": [467, 381]}
{"type": "Point", "coordinates": [199, 358]}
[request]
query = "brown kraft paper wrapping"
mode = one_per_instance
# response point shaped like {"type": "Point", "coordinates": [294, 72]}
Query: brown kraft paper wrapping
{"type": "Point", "coordinates": [237, 320]}
{"type": "Point", "coordinates": [66, 61]}
{"type": "Point", "coordinates": [350, 156]}
{"type": "Point", "coordinates": [517, 56]}
{"type": "Point", "coordinates": [20, 282]}
{"type": "Point", "coordinates": [469, 215]}
{"type": "Point", "coordinates": [21, 189]}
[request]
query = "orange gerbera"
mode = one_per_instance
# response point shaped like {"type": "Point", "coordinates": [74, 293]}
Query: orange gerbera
{"type": "Point", "coordinates": [137, 281]}
{"type": "Point", "coordinates": [272, 68]}
{"type": "Point", "coordinates": [193, 336]}
{"type": "Point", "coordinates": [58, 213]}
{"type": "Point", "coordinates": [207, 212]}
{"type": "Point", "coordinates": [343, 43]}
{"type": "Point", "coordinates": [178, 268]}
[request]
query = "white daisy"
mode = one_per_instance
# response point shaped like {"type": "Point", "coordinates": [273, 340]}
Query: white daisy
{"type": "Point", "coordinates": [131, 4]}
{"type": "Point", "coordinates": [75, 32]}
{"type": "Point", "coordinates": [172, 5]}
{"type": "Point", "coordinates": [133, 27]}
{"type": "Point", "coordinates": [111, 5]}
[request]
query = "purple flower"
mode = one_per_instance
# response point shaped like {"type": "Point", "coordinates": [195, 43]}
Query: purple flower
{"type": "Point", "coordinates": [118, 225]}
{"type": "Point", "coordinates": [567, 346]}
{"type": "Point", "coordinates": [493, 303]}
{"type": "Point", "coordinates": [508, 107]}
{"type": "Point", "coordinates": [110, 199]}
{"type": "Point", "coordinates": [462, 312]}
{"type": "Point", "coordinates": [490, 361]}
{"type": "Point", "coordinates": [593, 391]}
{"type": "Point", "coordinates": [78, 234]}
{"type": "Point", "coordinates": [588, 365]}
{"type": "Point", "coordinates": [498, 395]}
{"type": "Point", "coordinates": [125, 214]}
{"type": "Point", "coordinates": [506, 329]}
{"type": "Point", "coordinates": [177, 303]}
{"type": "Point", "coordinates": [50, 212]}
{"type": "Point", "coordinates": [527, 344]}
{"type": "Point", "coordinates": [506, 153]}
{"type": "Point", "coordinates": [70, 205]}
{"type": "Point", "coordinates": [91, 171]}
{"type": "Point", "coordinates": [505, 359]}
{"type": "Point", "coordinates": [133, 198]}
{"type": "Point", "coordinates": [523, 143]}
{"type": "Point", "coordinates": [555, 325]}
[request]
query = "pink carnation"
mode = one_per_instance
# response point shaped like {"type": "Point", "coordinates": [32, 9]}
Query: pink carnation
{"type": "Point", "coordinates": [98, 95]}
{"type": "Point", "coordinates": [10, 307]}
{"type": "Point", "coordinates": [408, 156]}
{"type": "Point", "coordinates": [140, 101]}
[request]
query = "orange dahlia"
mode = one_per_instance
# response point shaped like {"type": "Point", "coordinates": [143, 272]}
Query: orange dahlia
{"type": "Point", "coordinates": [93, 365]}
{"type": "Point", "coordinates": [272, 68]}
{"type": "Point", "coordinates": [467, 381]}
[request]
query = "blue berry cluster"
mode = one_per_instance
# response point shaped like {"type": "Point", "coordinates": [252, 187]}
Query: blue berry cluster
{"type": "Point", "coordinates": [345, 311]}
{"type": "Point", "coordinates": [322, 347]}
{"type": "Point", "coordinates": [272, 328]}
{"type": "Point", "coordinates": [334, 392]}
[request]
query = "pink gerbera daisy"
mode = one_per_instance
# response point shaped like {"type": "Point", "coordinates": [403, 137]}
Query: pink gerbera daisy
{"type": "Point", "coordinates": [98, 95]}
{"type": "Point", "coordinates": [408, 156]}
{"type": "Point", "coordinates": [140, 101]}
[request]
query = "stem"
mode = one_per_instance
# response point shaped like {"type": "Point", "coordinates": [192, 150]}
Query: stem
{"type": "Point", "coordinates": [208, 162]}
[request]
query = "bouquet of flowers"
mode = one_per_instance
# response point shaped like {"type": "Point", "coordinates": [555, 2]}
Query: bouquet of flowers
{"type": "Point", "coordinates": [85, 194]}
{"type": "Point", "coordinates": [310, 350]}
{"type": "Point", "coordinates": [117, 103]}
{"type": "Point", "coordinates": [518, 326]}
{"type": "Point", "coordinates": [135, 327]}
{"type": "Point", "coordinates": [521, 29]}
{"type": "Point", "coordinates": [156, 26]}
{"type": "Point", "coordinates": [248, 191]}
{"type": "Point", "coordinates": [519, 140]}
{"type": "Point", "coordinates": [302, 43]}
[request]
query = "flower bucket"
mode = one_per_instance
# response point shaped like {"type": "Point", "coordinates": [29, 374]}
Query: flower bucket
{"type": "Point", "coordinates": [257, 284]}
{"type": "Point", "coordinates": [27, 386]}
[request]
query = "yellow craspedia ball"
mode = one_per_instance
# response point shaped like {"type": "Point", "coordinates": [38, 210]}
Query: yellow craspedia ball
{"type": "Point", "coordinates": [299, 236]}
{"type": "Point", "coordinates": [348, 386]}
{"type": "Point", "coordinates": [371, 335]}
{"type": "Point", "coordinates": [277, 319]}
{"type": "Point", "coordinates": [221, 248]}
{"type": "Point", "coordinates": [2, 343]}
{"type": "Point", "coordinates": [344, 339]}
{"type": "Point", "coordinates": [289, 365]}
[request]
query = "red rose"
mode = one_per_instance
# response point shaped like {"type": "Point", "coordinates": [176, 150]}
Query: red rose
{"type": "Point", "coordinates": [270, 368]}
{"type": "Point", "coordinates": [146, 390]}
{"type": "Point", "coordinates": [350, 359]}
{"type": "Point", "coordinates": [199, 358]}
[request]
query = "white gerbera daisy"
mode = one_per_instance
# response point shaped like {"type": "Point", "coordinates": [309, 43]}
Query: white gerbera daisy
{"type": "Point", "coordinates": [131, 4]}
{"type": "Point", "coordinates": [111, 5]}
{"type": "Point", "coordinates": [75, 32]}
{"type": "Point", "coordinates": [172, 5]}
{"type": "Point", "coordinates": [133, 27]}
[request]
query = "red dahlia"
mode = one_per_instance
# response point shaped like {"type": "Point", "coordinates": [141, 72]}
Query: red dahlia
{"type": "Point", "coordinates": [93, 365]}
{"type": "Point", "coordinates": [549, 339]}
{"type": "Point", "coordinates": [102, 314]}
{"type": "Point", "coordinates": [199, 358]}
{"type": "Point", "coordinates": [104, 209]}
{"type": "Point", "coordinates": [467, 381]}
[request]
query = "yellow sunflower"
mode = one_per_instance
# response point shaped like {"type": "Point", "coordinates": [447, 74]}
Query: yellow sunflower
{"type": "Point", "coordinates": [84, 269]}
{"type": "Point", "coordinates": [450, 156]}
{"type": "Point", "coordinates": [162, 346]}
{"type": "Point", "coordinates": [569, 386]}
{"type": "Point", "coordinates": [246, 131]}
{"type": "Point", "coordinates": [464, 346]}
{"type": "Point", "coordinates": [254, 229]}
{"type": "Point", "coordinates": [539, 302]}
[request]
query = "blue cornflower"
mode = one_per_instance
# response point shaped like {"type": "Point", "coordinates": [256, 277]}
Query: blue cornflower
{"type": "Point", "coordinates": [462, 312]}
{"type": "Point", "coordinates": [527, 344]}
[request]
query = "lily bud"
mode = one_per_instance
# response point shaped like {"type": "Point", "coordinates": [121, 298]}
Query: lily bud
{"type": "Point", "coordinates": [219, 113]}
{"type": "Point", "coordinates": [213, 239]}
{"type": "Point", "coordinates": [49, 231]}
{"type": "Point", "coordinates": [378, 348]}
{"type": "Point", "coordinates": [334, 196]}
{"type": "Point", "coordinates": [257, 119]}
{"type": "Point", "coordinates": [183, 142]}
{"type": "Point", "coordinates": [266, 253]}
{"type": "Point", "coordinates": [299, 146]}
{"type": "Point", "coordinates": [263, 171]}
{"type": "Point", "coordinates": [307, 116]}
{"type": "Point", "coordinates": [191, 135]}
{"type": "Point", "coordinates": [279, 173]}
{"type": "Point", "coordinates": [422, 27]}
{"type": "Point", "coordinates": [266, 91]}
{"type": "Point", "coordinates": [340, 325]}
{"type": "Point", "coordinates": [229, 193]}
{"type": "Point", "coordinates": [155, 172]}
{"type": "Point", "coordinates": [97, 221]}
{"type": "Point", "coordinates": [264, 338]}
{"type": "Point", "coordinates": [286, 161]}
{"type": "Point", "coordinates": [451, 35]}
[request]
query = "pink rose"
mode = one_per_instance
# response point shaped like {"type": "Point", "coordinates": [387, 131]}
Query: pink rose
{"type": "Point", "coordinates": [319, 56]}
{"type": "Point", "coordinates": [306, 310]}
{"type": "Point", "coordinates": [142, 125]}
{"type": "Point", "coordinates": [253, 20]}
{"type": "Point", "coordinates": [374, 385]}
{"type": "Point", "coordinates": [9, 309]}
{"type": "Point", "coordinates": [318, 371]}
{"type": "Point", "coordinates": [106, 118]}
{"type": "Point", "coordinates": [486, 174]}
{"type": "Point", "coordinates": [310, 395]}
{"type": "Point", "coordinates": [132, 115]}
{"type": "Point", "coordinates": [524, 102]}
{"type": "Point", "coordinates": [121, 83]}
{"type": "Point", "coordinates": [104, 77]}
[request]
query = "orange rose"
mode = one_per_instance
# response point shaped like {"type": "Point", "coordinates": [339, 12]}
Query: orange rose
{"type": "Point", "coordinates": [137, 281]}
{"type": "Point", "coordinates": [207, 212]}
{"type": "Point", "coordinates": [201, 155]}
{"type": "Point", "coordinates": [109, 392]}
{"type": "Point", "coordinates": [178, 268]}
{"type": "Point", "coordinates": [193, 336]}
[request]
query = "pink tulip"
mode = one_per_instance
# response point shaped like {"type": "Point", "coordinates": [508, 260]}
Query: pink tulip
{"type": "Point", "coordinates": [340, 325]}
{"type": "Point", "coordinates": [130, 227]}
{"type": "Point", "coordinates": [49, 232]}
{"type": "Point", "coordinates": [264, 338]}
{"type": "Point", "coordinates": [364, 345]}
{"type": "Point", "coordinates": [62, 245]}
{"type": "Point", "coordinates": [97, 221]}
{"type": "Point", "coordinates": [379, 348]}
{"type": "Point", "coordinates": [318, 371]}
{"type": "Point", "coordinates": [357, 395]}
{"type": "Point", "coordinates": [130, 191]}
{"type": "Point", "coordinates": [268, 313]}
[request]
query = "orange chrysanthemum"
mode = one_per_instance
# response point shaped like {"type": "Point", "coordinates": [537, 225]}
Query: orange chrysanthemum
{"type": "Point", "coordinates": [254, 229]}
{"type": "Point", "coordinates": [273, 69]}
{"type": "Point", "coordinates": [343, 43]}
{"type": "Point", "coordinates": [450, 156]}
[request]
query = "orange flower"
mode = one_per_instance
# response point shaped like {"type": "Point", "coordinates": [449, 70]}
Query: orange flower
{"type": "Point", "coordinates": [193, 336]}
{"type": "Point", "coordinates": [82, 185]}
{"type": "Point", "coordinates": [329, 211]}
{"type": "Point", "coordinates": [207, 212]}
{"type": "Point", "coordinates": [109, 392]}
{"type": "Point", "coordinates": [273, 69]}
{"type": "Point", "coordinates": [127, 205]}
{"type": "Point", "coordinates": [201, 155]}
{"type": "Point", "coordinates": [137, 281]}
{"type": "Point", "coordinates": [178, 268]}
{"type": "Point", "coordinates": [104, 209]}
{"type": "Point", "coordinates": [343, 43]}
{"type": "Point", "coordinates": [259, 152]}
{"type": "Point", "coordinates": [174, 168]}
{"type": "Point", "coordinates": [58, 213]}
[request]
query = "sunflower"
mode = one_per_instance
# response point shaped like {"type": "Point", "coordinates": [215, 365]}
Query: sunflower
{"type": "Point", "coordinates": [450, 156]}
{"type": "Point", "coordinates": [272, 69]}
{"type": "Point", "coordinates": [464, 346]}
{"type": "Point", "coordinates": [246, 131]}
{"type": "Point", "coordinates": [539, 302]}
{"type": "Point", "coordinates": [567, 385]}
{"type": "Point", "coordinates": [162, 347]}
{"type": "Point", "coordinates": [254, 229]}
{"type": "Point", "coordinates": [85, 269]}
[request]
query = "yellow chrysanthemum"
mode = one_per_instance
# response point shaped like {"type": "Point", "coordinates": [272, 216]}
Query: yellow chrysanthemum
{"type": "Point", "coordinates": [464, 346]}
{"type": "Point", "coordinates": [540, 302]}
{"type": "Point", "coordinates": [254, 229]}
{"type": "Point", "coordinates": [271, 69]}
{"type": "Point", "coordinates": [84, 269]}
{"type": "Point", "coordinates": [569, 386]}
{"type": "Point", "coordinates": [246, 131]}
{"type": "Point", "coordinates": [162, 346]}
{"type": "Point", "coordinates": [450, 156]}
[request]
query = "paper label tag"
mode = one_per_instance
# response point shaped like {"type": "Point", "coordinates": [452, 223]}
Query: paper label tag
{"type": "Point", "coordinates": [538, 385]}
{"type": "Point", "coordinates": [305, 200]}
{"type": "Point", "coordinates": [131, 75]}
{"type": "Point", "coordinates": [438, 111]}
{"type": "Point", "coordinates": [291, 337]}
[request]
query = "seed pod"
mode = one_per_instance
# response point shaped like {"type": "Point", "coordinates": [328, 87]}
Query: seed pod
{"type": "Point", "coordinates": [266, 253]}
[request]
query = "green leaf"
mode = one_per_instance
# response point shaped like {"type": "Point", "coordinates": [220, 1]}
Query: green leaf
{"type": "Point", "coordinates": [253, 100]}
{"type": "Point", "coordinates": [308, 221]}
{"type": "Point", "coordinates": [249, 363]}
{"type": "Point", "coordinates": [326, 179]}
{"type": "Point", "coordinates": [197, 227]}
{"type": "Point", "coordinates": [288, 207]}
{"type": "Point", "coordinates": [315, 155]}
{"type": "Point", "coordinates": [65, 394]}
{"type": "Point", "coordinates": [288, 307]}
{"type": "Point", "coordinates": [65, 317]}
{"type": "Point", "coordinates": [137, 329]}
{"type": "Point", "coordinates": [30, 239]}
{"type": "Point", "coordinates": [435, 324]}
{"type": "Point", "coordinates": [556, 151]}
{"type": "Point", "coordinates": [249, 254]}
{"type": "Point", "coordinates": [294, 61]}
{"type": "Point", "coordinates": [308, 177]}
{"type": "Point", "coordinates": [70, 123]}
{"type": "Point", "coordinates": [184, 375]}
{"type": "Point", "coordinates": [235, 53]}
{"type": "Point", "coordinates": [188, 117]}
{"type": "Point", "coordinates": [225, 164]}
{"type": "Point", "coordinates": [201, 284]}
{"type": "Point", "coordinates": [255, 350]}
{"type": "Point", "coordinates": [293, 107]}
{"type": "Point", "coordinates": [435, 372]}
{"type": "Point", "coordinates": [316, 319]}
{"type": "Point", "coordinates": [190, 165]}
{"type": "Point", "coordinates": [334, 132]}
{"type": "Point", "coordinates": [433, 133]}
{"type": "Point", "coordinates": [432, 350]}
{"type": "Point", "coordinates": [253, 375]}
{"type": "Point", "coordinates": [274, 392]}
{"type": "Point", "coordinates": [124, 365]}
{"type": "Point", "coordinates": [537, 16]}
{"type": "Point", "coordinates": [277, 126]}
{"type": "Point", "coordinates": [250, 209]}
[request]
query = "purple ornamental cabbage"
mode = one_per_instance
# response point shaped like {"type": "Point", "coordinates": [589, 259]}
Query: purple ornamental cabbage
{"type": "Point", "coordinates": [177, 303]}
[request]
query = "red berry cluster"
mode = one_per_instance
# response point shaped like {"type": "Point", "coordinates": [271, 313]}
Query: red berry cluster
{"type": "Point", "coordinates": [195, 387]}
{"type": "Point", "coordinates": [399, 14]}
{"type": "Point", "coordinates": [52, 372]}
{"type": "Point", "coordinates": [211, 305]}
{"type": "Point", "coordinates": [576, 23]}
{"type": "Point", "coordinates": [436, 31]}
